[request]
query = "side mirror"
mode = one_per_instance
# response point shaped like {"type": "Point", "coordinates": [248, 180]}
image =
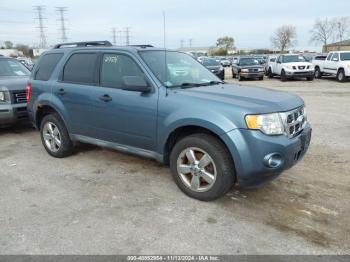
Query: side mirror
{"type": "Point", "coordinates": [136, 83]}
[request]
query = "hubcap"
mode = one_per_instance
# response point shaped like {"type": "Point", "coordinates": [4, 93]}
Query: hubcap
{"type": "Point", "coordinates": [52, 137]}
{"type": "Point", "coordinates": [196, 169]}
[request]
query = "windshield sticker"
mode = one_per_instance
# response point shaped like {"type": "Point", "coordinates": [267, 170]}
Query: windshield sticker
{"type": "Point", "coordinates": [111, 59]}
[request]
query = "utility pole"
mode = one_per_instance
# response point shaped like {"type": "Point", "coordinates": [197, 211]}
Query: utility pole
{"type": "Point", "coordinates": [182, 43]}
{"type": "Point", "coordinates": [114, 35]}
{"type": "Point", "coordinates": [190, 42]}
{"type": "Point", "coordinates": [63, 29]}
{"type": "Point", "coordinates": [40, 18]}
{"type": "Point", "coordinates": [127, 35]}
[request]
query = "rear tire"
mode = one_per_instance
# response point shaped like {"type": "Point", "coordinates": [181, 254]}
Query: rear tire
{"type": "Point", "coordinates": [55, 137]}
{"type": "Point", "coordinates": [318, 73]}
{"type": "Point", "coordinates": [219, 163]}
{"type": "Point", "coordinates": [341, 75]}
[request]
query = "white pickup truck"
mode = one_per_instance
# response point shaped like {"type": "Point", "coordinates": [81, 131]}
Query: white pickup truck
{"type": "Point", "coordinates": [336, 64]}
{"type": "Point", "coordinates": [291, 66]}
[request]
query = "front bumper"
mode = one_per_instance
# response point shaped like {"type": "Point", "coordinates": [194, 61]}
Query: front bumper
{"type": "Point", "coordinates": [296, 74]}
{"type": "Point", "coordinates": [249, 149]}
{"type": "Point", "coordinates": [12, 113]}
{"type": "Point", "coordinates": [252, 74]}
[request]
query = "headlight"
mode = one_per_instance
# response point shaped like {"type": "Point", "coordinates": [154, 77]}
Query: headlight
{"type": "Point", "coordinates": [349, 66]}
{"type": "Point", "coordinates": [261, 70]}
{"type": "Point", "coordinates": [270, 124]}
{"type": "Point", "coordinates": [3, 96]}
{"type": "Point", "coordinates": [245, 70]}
{"type": "Point", "coordinates": [289, 67]}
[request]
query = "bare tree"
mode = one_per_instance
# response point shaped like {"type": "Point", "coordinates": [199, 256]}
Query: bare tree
{"type": "Point", "coordinates": [322, 31]}
{"type": "Point", "coordinates": [284, 37]}
{"type": "Point", "coordinates": [341, 27]}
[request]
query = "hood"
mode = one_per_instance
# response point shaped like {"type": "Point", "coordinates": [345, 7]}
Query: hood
{"type": "Point", "coordinates": [251, 100]}
{"type": "Point", "coordinates": [13, 83]}
{"type": "Point", "coordinates": [298, 64]}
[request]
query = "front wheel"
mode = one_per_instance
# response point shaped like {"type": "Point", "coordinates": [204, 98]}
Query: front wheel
{"type": "Point", "coordinates": [55, 137]}
{"type": "Point", "coordinates": [283, 76]}
{"type": "Point", "coordinates": [239, 77]}
{"type": "Point", "coordinates": [269, 73]}
{"type": "Point", "coordinates": [318, 73]}
{"type": "Point", "coordinates": [310, 78]}
{"type": "Point", "coordinates": [202, 167]}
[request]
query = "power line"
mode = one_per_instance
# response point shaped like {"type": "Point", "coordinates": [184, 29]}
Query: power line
{"type": "Point", "coordinates": [42, 41]}
{"type": "Point", "coordinates": [61, 10]}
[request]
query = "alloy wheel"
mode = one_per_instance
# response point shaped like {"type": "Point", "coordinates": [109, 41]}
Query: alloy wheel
{"type": "Point", "coordinates": [52, 137]}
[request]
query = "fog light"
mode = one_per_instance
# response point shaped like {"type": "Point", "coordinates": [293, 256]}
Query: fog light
{"type": "Point", "coordinates": [273, 160]}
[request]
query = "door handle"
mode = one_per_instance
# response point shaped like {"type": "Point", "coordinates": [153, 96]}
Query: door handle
{"type": "Point", "coordinates": [106, 98]}
{"type": "Point", "coordinates": [61, 91]}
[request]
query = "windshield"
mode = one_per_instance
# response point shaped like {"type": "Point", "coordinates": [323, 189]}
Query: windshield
{"type": "Point", "coordinates": [248, 61]}
{"type": "Point", "coordinates": [177, 69]}
{"type": "Point", "coordinates": [293, 58]}
{"type": "Point", "coordinates": [210, 62]}
{"type": "Point", "coordinates": [10, 67]}
{"type": "Point", "coordinates": [344, 56]}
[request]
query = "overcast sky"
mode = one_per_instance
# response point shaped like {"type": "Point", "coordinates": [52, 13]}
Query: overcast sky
{"type": "Point", "coordinates": [251, 23]}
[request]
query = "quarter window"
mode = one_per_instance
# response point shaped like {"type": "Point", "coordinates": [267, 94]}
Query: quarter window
{"type": "Point", "coordinates": [115, 67]}
{"type": "Point", "coordinates": [81, 69]}
{"type": "Point", "coordinates": [46, 66]}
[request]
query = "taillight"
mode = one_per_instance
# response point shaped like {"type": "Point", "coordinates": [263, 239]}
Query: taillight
{"type": "Point", "coordinates": [28, 92]}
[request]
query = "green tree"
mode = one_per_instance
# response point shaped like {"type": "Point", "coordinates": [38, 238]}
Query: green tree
{"type": "Point", "coordinates": [225, 42]}
{"type": "Point", "coordinates": [8, 45]}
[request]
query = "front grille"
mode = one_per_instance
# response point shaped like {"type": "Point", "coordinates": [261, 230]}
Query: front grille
{"type": "Point", "coordinates": [294, 121]}
{"type": "Point", "coordinates": [253, 70]}
{"type": "Point", "coordinates": [301, 67]}
{"type": "Point", "coordinates": [19, 97]}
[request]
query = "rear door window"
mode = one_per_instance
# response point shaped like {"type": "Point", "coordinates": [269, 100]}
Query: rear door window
{"type": "Point", "coordinates": [81, 68]}
{"type": "Point", "coordinates": [114, 67]}
{"type": "Point", "coordinates": [46, 66]}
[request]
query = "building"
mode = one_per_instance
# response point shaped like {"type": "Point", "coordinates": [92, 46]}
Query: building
{"type": "Point", "coordinates": [11, 52]}
{"type": "Point", "coordinates": [338, 46]}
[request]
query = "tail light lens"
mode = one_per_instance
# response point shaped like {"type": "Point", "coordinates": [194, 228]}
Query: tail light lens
{"type": "Point", "coordinates": [28, 92]}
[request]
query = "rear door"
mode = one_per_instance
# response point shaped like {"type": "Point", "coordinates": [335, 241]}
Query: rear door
{"type": "Point", "coordinates": [75, 89]}
{"type": "Point", "coordinates": [327, 64]}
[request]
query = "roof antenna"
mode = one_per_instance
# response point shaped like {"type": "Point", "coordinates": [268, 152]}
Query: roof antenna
{"type": "Point", "coordinates": [165, 60]}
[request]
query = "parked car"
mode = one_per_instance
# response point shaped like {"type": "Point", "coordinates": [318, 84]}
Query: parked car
{"type": "Point", "coordinates": [270, 60]}
{"type": "Point", "coordinates": [27, 62]}
{"type": "Point", "coordinates": [212, 134]}
{"type": "Point", "coordinates": [336, 64]}
{"type": "Point", "coordinates": [215, 67]}
{"type": "Point", "coordinates": [247, 68]}
{"type": "Point", "coordinates": [225, 62]}
{"type": "Point", "coordinates": [291, 66]}
{"type": "Point", "coordinates": [13, 80]}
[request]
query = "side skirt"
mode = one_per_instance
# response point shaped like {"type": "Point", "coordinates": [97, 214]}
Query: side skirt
{"type": "Point", "coordinates": [119, 147]}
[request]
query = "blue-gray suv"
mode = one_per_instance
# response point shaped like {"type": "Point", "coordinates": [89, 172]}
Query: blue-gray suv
{"type": "Point", "coordinates": [165, 105]}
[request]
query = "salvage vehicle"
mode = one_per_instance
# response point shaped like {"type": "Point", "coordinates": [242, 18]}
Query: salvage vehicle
{"type": "Point", "coordinates": [13, 79]}
{"type": "Point", "coordinates": [215, 67]}
{"type": "Point", "coordinates": [225, 62]}
{"type": "Point", "coordinates": [247, 68]}
{"type": "Point", "coordinates": [270, 60]}
{"type": "Point", "coordinates": [212, 134]}
{"type": "Point", "coordinates": [336, 64]}
{"type": "Point", "coordinates": [291, 66]}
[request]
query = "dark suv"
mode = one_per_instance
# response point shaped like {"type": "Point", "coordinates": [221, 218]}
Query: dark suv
{"type": "Point", "coordinates": [165, 105]}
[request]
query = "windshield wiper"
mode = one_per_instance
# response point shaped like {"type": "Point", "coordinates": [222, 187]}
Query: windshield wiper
{"type": "Point", "coordinates": [189, 85]}
{"type": "Point", "coordinates": [213, 83]}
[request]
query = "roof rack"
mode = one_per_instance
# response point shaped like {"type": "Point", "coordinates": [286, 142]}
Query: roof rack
{"type": "Point", "coordinates": [83, 44]}
{"type": "Point", "coordinates": [141, 46]}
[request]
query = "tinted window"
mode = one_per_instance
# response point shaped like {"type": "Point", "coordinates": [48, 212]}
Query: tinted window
{"type": "Point", "coordinates": [320, 58]}
{"type": "Point", "coordinates": [345, 56]}
{"type": "Point", "coordinates": [293, 58]}
{"type": "Point", "coordinates": [46, 66]}
{"type": "Point", "coordinates": [81, 69]}
{"type": "Point", "coordinates": [9, 67]}
{"type": "Point", "coordinates": [115, 67]}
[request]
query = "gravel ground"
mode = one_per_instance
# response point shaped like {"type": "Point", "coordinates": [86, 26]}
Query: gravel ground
{"type": "Point", "coordinates": [100, 201]}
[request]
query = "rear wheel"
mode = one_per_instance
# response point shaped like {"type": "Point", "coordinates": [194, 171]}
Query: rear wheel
{"type": "Point", "coordinates": [202, 167]}
{"type": "Point", "coordinates": [341, 75]}
{"type": "Point", "coordinates": [269, 73]}
{"type": "Point", "coordinates": [318, 73]}
{"type": "Point", "coordinates": [55, 137]}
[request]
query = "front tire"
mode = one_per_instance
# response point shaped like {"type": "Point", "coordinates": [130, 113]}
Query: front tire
{"type": "Point", "coordinates": [239, 77]}
{"type": "Point", "coordinates": [318, 73]}
{"type": "Point", "coordinates": [55, 137]}
{"type": "Point", "coordinates": [283, 76]}
{"type": "Point", "coordinates": [310, 78]}
{"type": "Point", "coordinates": [202, 167]}
{"type": "Point", "coordinates": [269, 73]}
